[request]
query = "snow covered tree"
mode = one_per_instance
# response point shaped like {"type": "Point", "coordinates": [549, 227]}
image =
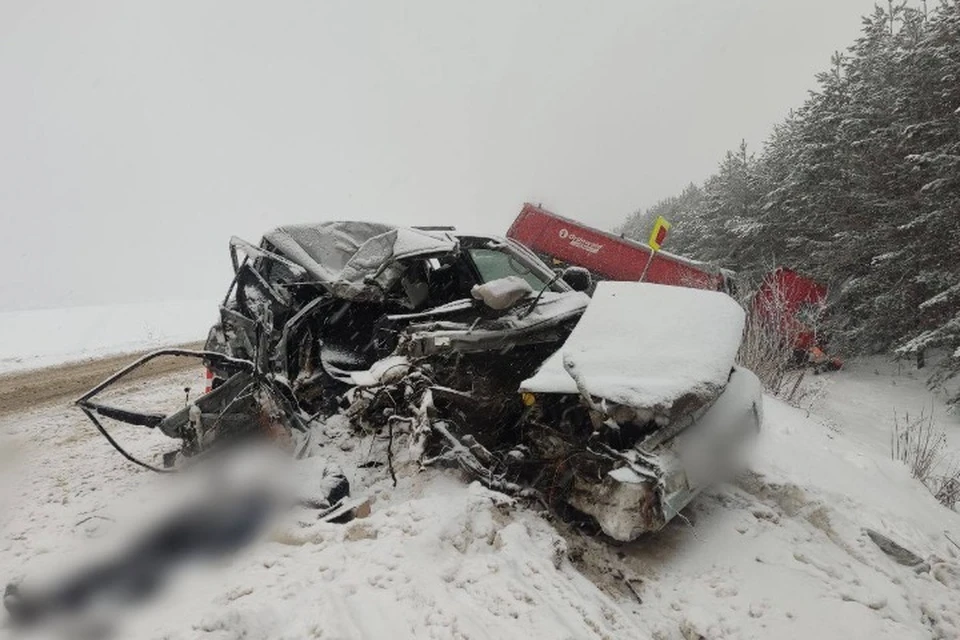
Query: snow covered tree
{"type": "Point", "coordinates": [858, 187]}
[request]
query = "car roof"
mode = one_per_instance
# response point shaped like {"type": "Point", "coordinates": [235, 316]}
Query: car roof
{"type": "Point", "coordinates": [347, 256]}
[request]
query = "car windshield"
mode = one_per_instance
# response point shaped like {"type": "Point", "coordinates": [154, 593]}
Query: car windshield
{"type": "Point", "coordinates": [494, 263]}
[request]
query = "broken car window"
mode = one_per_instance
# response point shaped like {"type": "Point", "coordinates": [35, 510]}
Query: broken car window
{"type": "Point", "coordinates": [493, 264]}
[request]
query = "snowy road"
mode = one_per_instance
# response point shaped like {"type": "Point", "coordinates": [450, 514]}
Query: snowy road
{"type": "Point", "coordinates": [29, 389]}
{"type": "Point", "coordinates": [779, 554]}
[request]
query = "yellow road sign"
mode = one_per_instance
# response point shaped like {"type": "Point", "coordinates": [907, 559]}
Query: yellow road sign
{"type": "Point", "coordinates": [659, 233]}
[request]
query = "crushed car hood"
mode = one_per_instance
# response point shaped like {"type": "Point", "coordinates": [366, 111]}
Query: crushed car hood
{"type": "Point", "coordinates": [523, 324]}
{"type": "Point", "coordinates": [647, 346]}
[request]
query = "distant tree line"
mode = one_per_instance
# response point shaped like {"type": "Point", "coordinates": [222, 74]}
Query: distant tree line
{"type": "Point", "coordinates": [858, 188]}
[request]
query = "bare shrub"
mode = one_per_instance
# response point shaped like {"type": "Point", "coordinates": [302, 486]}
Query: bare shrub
{"type": "Point", "coordinates": [918, 443]}
{"type": "Point", "coordinates": [921, 444]}
{"type": "Point", "coordinates": [768, 354]}
{"type": "Point", "coordinates": [946, 486]}
{"type": "Point", "coordinates": [769, 340]}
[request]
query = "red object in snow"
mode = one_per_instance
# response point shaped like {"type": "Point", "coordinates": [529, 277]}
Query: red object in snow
{"type": "Point", "coordinates": [608, 256]}
{"type": "Point", "coordinates": [793, 303]}
{"type": "Point", "coordinates": [208, 376]}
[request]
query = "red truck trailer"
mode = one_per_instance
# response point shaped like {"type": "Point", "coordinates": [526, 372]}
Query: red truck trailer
{"type": "Point", "coordinates": [562, 241]}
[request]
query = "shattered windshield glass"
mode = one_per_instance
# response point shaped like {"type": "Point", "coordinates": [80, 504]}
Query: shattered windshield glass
{"type": "Point", "coordinates": [494, 264]}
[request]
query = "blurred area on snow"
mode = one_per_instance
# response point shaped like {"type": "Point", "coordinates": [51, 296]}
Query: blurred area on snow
{"type": "Point", "coordinates": [435, 557]}
{"type": "Point", "coordinates": [43, 337]}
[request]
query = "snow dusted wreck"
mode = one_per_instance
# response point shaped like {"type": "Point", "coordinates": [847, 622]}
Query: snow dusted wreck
{"type": "Point", "coordinates": [476, 354]}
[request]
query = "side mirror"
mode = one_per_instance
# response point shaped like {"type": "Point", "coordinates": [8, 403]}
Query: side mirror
{"type": "Point", "coordinates": [578, 278]}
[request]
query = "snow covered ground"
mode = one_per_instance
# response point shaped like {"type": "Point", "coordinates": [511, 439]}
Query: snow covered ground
{"type": "Point", "coordinates": [780, 553]}
{"type": "Point", "coordinates": [868, 392]}
{"type": "Point", "coordinates": [44, 337]}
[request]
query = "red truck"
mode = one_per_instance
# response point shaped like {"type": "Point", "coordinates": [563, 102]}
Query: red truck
{"type": "Point", "coordinates": [561, 241]}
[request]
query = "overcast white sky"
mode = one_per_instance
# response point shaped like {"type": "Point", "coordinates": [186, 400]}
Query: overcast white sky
{"type": "Point", "coordinates": [136, 137]}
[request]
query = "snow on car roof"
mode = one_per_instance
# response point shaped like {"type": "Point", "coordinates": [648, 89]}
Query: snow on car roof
{"type": "Point", "coordinates": [646, 346]}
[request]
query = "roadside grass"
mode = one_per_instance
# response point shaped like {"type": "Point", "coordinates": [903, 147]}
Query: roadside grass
{"type": "Point", "coordinates": [920, 443]}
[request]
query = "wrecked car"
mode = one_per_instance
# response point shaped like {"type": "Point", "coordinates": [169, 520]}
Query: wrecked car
{"type": "Point", "coordinates": [619, 408]}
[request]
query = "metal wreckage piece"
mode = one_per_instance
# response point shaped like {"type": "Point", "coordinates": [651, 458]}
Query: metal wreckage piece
{"type": "Point", "coordinates": [447, 341]}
